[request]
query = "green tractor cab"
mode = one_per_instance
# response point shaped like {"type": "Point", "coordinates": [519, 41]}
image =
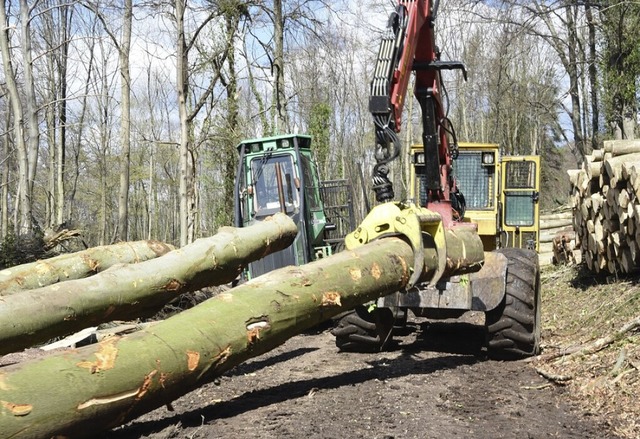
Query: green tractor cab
{"type": "Point", "coordinates": [278, 174]}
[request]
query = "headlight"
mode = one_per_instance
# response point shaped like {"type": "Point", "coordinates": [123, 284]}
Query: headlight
{"type": "Point", "coordinates": [418, 159]}
{"type": "Point", "coordinates": [487, 158]}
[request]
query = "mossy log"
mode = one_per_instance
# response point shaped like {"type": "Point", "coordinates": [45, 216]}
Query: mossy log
{"type": "Point", "coordinates": [121, 378]}
{"type": "Point", "coordinates": [80, 392]}
{"type": "Point", "coordinates": [136, 290]}
{"type": "Point", "coordinates": [78, 265]}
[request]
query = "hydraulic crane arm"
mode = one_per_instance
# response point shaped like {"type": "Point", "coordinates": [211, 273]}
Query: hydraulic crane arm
{"type": "Point", "coordinates": [409, 45]}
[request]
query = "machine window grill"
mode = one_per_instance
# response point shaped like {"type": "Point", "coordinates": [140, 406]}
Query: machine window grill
{"type": "Point", "coordinates": [474, 180]}
{"type": "Point", "coordinates": [529, 240]}
{"type": "Point", "coordinates": [521, 175]}
{"type": "Point", "coordinates": [338, 208]}
{"type": "Point", "coordinates": [519, 209]}
{"type": "Point", "coordinates": [421, 182]}
{"type": "Point", "coordinates": [519, 204]}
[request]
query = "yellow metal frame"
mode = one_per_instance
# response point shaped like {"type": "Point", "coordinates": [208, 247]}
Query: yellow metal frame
{"type": "Point", "coordinates": [489, 220]}
{"type": "Point", "coordinates": [410, 221]}
{"type": "Point", "coordinates": [486, 219]}
{"type": "Point", "coordinates": [515, 233]}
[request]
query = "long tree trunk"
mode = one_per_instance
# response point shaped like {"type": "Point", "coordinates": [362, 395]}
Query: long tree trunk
{"type": "Point", "coordinates": [4, 183]}
{"type": "Point", "coordinates": [232, 19]}
{"type": "Point", "coordinates": [50, 119]}
{"type": "Point", "coordinates": [124, 49]}
{"type": "Point", "coordinates": [593, 77]}
{"type": "Point", "coordinates": [280, 100]}
{"type": "Point", "coordinates": [79, 134]}
{"type": "Point", "coordinates": [136, 290]}
{"type": "Point", "coordinates": [77, 265]}
{"type": "Point", "coordinates": [119, 379]}
{"type": "Point", "coordinates": [61, 153]}
{"type": "Point", "coordinates": [574, 91]}
{"type": "Point", "coordinates": [31, 115]}
{"type": "Point", "coordinates": [182, 88]}
{"type": "Point", "coordinates": [22, 206]}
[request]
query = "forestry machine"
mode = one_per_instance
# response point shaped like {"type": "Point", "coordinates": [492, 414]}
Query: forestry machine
{"type": "Point", "coordinates": [505, 285]}
{"type": "Point", "coordinates": [497, 214]}
{"type": "Point", "coordinates": [278, 174]}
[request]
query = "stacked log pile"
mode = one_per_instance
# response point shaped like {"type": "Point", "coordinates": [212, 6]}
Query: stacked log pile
{"type": "Point", "coordinates": [606, 207]}
{"type": "Point", "coordinates": [557, 238]}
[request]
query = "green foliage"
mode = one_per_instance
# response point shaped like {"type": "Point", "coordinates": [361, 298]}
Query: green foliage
{"type": "Point", "coordinates": [620, 60]}
{"type": "Point", "coordinates": [319, 125]}
{"type": "Point", "coordinates": [21, 249]}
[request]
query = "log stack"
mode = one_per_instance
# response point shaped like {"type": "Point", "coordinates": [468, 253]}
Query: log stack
{"type": "Point", "coordinates": [606, 207]}
{"type": "Point", "coordinates": [557, 238]}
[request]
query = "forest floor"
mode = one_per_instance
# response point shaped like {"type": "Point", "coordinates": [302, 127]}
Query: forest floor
{"type": "Point", "coordinates": [436, 383]}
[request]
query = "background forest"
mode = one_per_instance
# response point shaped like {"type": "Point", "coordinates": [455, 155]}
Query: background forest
{"type": "Point", "coordinates": [120, 118]}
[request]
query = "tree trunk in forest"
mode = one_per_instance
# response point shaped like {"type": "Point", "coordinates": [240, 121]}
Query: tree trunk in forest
{"type": "Point", "coordinates": [31, 115]}
{"type": "Point", "coordinates": [593, 76]}
{"type": "Point", "coordinates": [77, 265]}
{"type": "Point", "coordinates": [61, 152]}
{"type": "Point", "coordinates": [186, 177]}
{"type": "Point", "coordinates": [22, 207]}
{"type": "Point", "coordinates": [280, 99]}
{"type": "Point", "coordinates": [4, 183]}
{"type": "Point", "coordinates": [50, 119]}
{"type": "Point", "coordinates": [107, 384]}
{"type": "Point", "coordinates": [574, 88]}
{"type": "Point", "coordinates": [137, 290]}
{"type": "Point", "coordinates": [232, 19]}
{"type": "Point", "coordinates": [124, 49]}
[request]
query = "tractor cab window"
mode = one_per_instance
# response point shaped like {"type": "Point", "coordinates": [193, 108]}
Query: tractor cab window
{"type": "Point", "coordinates": [270, 173]}
{"type": "Point", "coordinates": [520, 193]}
{"type": "Point", "coordinates": [312, 191]}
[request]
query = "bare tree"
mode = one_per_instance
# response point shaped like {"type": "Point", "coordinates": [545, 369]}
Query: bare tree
{"type": "Point", "coordinates": [23, 208]}
{"type": "Point", "coordinates": [123, 46]}
{"type": "Point", "coordinates": [55, 22]}
{"type": "Point", "coordinates": [4, 182]}
{"type": "Point", "coordinates": [188, 110]}
{"type": "Point", "coordinates": [555, 24]}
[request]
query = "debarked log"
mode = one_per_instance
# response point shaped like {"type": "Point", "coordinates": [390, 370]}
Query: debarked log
{"type": "Point", "coordinates": [78, 265]}
{"type": "Point", "coordinates": [137, 290]}
{"type": "Point", "coordinates": [79, 392]}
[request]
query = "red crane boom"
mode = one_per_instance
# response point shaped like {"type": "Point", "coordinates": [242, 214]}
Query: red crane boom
{"type": "Point", "coordinates": [409, 45]}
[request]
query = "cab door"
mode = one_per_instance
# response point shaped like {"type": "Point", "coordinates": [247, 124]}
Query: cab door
{"type": "Point", "coordinates": [519, 214]}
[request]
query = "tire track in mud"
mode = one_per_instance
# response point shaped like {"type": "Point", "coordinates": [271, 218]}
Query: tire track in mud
{"type": "Point", "coordinates": [436, 384]}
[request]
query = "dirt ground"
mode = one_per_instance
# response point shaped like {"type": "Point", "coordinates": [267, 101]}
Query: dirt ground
{"type": "Point", "coordinates": [436, 384]}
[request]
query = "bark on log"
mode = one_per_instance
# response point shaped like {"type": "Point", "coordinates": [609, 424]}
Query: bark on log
{"type": "Point", "coordinates": [613, 166]}
{"type": "Point", "coordinates": [597, 155]}
{"type": "Point", "coordinates": [555, 223]}
{"type": "Point", "coordinates": [621, 147]}
{"type": "Point", "coordinates": [136, 290]}
{"type": "Point", "coordinates": [78, 265]}
{"type": "Point", "coordinates": [121, 378]}
{"type": "Point", "coordinates": [594, 169]}
{"type": "Point", "coordinates": [556, 216]}
{"type": "Point", "coordinates": [547, 235]}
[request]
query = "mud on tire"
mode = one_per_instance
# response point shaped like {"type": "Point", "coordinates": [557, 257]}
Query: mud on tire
{"type": "Point", "coordinates": [513, 328]}
{"type": "Point", "coordinates": [361, 330]}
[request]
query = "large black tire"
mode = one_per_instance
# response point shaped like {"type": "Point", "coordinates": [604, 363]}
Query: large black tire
{"type": "Point", "coordinates": [361, 330]}
{"type": "Point", "coordinates": [513, 328]}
